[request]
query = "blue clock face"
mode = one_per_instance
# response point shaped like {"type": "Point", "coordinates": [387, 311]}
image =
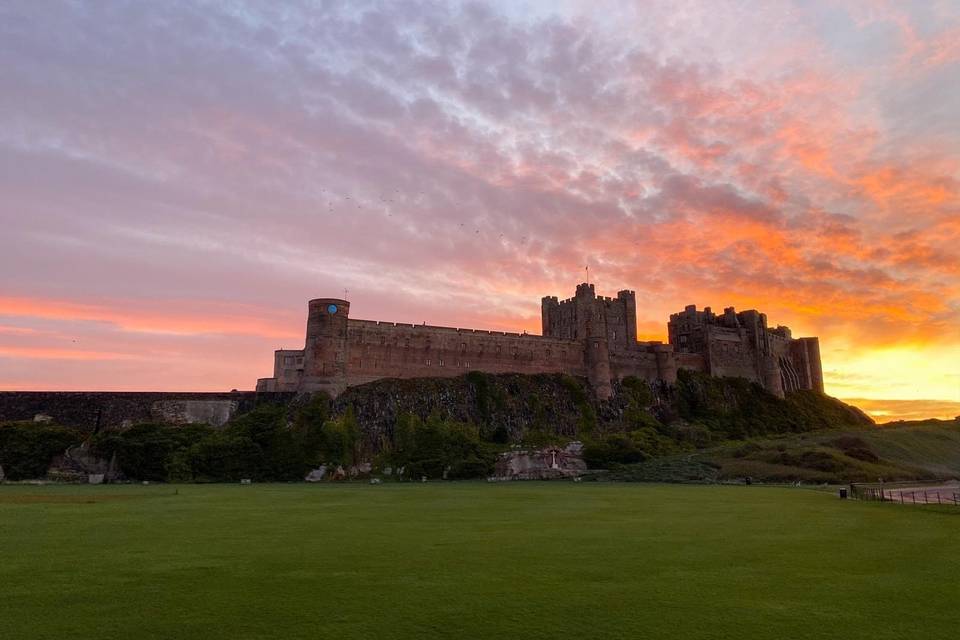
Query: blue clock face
{"type": "Point", "coordinates": [332, 309]}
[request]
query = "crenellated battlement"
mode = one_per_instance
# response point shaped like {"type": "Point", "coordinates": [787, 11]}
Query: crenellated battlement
{"type": "Point", "coordinates": [741, 344]}
{"type": "Point", "coordinates": [585, 335]}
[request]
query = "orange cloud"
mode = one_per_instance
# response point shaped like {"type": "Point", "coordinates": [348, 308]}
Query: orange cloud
{"type": "Point", "coordinates": [132, 316]}
{"type": "Point", "coordinates": [52, 353]}
{"type": "Point", "coordinates": [889, 410]}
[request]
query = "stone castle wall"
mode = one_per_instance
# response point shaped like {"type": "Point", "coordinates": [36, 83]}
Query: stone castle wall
{"type": "Point", "coordinates": [742, 345]}
{"type": "Point", "coordinates": [375, 350]}
{"type": "Point", "coordinates": [386, 350]}
{"type": "Point", "coordinates": [586, 335]}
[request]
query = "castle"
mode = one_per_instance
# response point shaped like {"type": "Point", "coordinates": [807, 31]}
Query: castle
{"type": "Point", "coordinates": [587, 335]}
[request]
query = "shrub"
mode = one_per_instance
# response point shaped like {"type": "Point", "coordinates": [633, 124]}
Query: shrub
{"type": "Point", "coordinates": [587, 420]}
{"type": "Point", "coordinates": [856, 448]}
{"type": "Point", "coordinates": [429, 448]}
{"type": "Point", "coordinates": [695, 434]}
{"type": "Point", "coordinates": [611, 450]}
{"type": "Point", "coordinates": [222, 457]}
{"type": "Point", "coordinates": [27, 449]}
{"type": "Point", "coordinates": [340, 441]}
{"type": "Point", "coordinates": [638, 391]}
{"type": "Point", "coordinates": [145, 450]}
{"type": "Point", "coordinates": [737, 408]}
{"type": "Point", "coordinates": [489, 397]}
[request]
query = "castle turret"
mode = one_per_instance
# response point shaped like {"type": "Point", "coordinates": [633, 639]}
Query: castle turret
{"type": "Point", "coordinates": [770, 375]}
{"type": "Point", "coordinates": [666, 363]}
{"type": "Point", "coordinates": [549, 307]}
{"type": "Point", "coordinates": [629, 299]}
{"type": "Point", "coordinates": [805, 354]}
{"type": "Point", "coordinates": [592, 329]}
{"type": "Point", "coordinates": [325, 352]}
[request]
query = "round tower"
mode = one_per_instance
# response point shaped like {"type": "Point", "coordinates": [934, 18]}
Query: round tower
{"type": "Point", "coordinates": [666, 363]}
{"type": "Point", "coordinates": [597, 358]}
{"type": "Point", "coordinates": [325, 353]}
{"type": "Point", "coordinates": [770, 375]}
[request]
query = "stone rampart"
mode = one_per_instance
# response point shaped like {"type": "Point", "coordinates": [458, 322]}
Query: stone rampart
{"type": "Point", "coordinates": [108, 410]}
{"type": "Point", "coordinates": [389, 350]}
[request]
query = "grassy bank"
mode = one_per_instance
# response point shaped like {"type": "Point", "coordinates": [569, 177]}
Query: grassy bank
{"type": "Point", "coordinates": [470, 560]}
{"type": "Point", "coordinates": [924, 452]}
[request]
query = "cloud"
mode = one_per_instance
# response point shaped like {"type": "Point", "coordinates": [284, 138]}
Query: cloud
{"type": "Point", "coordinates": [198, 172]}
{"type": "Point", "coordinates": [890, 410]}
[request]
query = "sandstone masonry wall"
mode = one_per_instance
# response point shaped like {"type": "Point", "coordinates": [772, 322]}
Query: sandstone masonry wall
{"type": "Point", "coordinates": [586, 335]}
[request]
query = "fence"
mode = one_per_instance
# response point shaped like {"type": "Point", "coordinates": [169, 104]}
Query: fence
{"type": "Point", "coordinates": [907, 493]}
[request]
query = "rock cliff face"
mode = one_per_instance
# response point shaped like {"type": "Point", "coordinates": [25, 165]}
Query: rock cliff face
{"type": "Point", "coordinates": [506, 407]}
{"type": "Point", "coordinates": [513, 408]}
{"type": "Point", "coordinates": [548, 463]}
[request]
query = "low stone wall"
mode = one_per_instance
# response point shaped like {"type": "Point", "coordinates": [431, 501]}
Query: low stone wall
{"type": "Point", "coordinates": [107, 409]}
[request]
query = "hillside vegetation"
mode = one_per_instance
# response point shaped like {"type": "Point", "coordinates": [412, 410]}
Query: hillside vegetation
{"type": "Point", "coordinates": [455, 428]}
{"type": "Point", "coordinates": [905, 452]}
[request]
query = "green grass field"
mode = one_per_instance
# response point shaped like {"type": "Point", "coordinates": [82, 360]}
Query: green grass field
{"type": "Point", "coordinates": [471, 560]}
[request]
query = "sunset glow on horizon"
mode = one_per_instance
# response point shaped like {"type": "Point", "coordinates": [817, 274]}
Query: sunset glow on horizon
{"type": "Point", "coordinates": [178, 179]}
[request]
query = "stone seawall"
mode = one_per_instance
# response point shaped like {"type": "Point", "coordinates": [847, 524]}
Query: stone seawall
{"type": "Point", "coordinates": [108, 409]}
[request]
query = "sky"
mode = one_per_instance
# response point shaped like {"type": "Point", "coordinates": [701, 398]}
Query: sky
{"type": "Point", "coordinates": [177, 179]}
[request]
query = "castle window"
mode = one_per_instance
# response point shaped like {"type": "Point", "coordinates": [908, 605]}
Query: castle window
{"type": "Point", "coordinates": [359, 364]}
{"type": "Point", "coordinates": [463, 346]}
{"type": "Point", "coordinates": [614, 335]}
{"type": "Point", "coordinates": [441, 362]}
{"type": "Point", "coordinates": [548, 353]}
{"type": "Point", "coordinates": [596, 345]}
{"type": "Point", "coordinates": [428, 362]}
{"type": "Point", "coordinates": [466, 365]}
{"type": "Point", "coordinates": [288, 360]}
{"type": "Point", "coordinates": [498, 348]}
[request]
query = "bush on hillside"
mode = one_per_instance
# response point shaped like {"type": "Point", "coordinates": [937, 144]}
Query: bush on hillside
{"type": "Point", "coordinates": [628, 448]}
{"type": "Point", "coordinates": [27, 449]}
{"type": "Point", "coordinates": [587, 420]}
{"type": "Point", "coordinates": [855, 448]}
{"type": "Point", "coordinates": [735, 408]}
{"type": "Point", "coordinates": [436, 448]}
{"type": "Point", "coordinates": [612, 450]}
{"type": "Point", "coordinates": [261, 445]}
{"type": "Point", "coordinates": [145, 450]}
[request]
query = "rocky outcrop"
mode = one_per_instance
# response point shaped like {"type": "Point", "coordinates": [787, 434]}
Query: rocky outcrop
{"type": "Point", "coordinates": [548, 463]}
{"type": "Point", "coordinates": [317, 475]}
{"type": "Point", "coordinates": [80, 464]}
{"type": "Point", "coordinates": [506, 407]}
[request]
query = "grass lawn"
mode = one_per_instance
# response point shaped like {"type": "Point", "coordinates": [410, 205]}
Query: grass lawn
{"type": "Point", "coordinates": [471, 560]}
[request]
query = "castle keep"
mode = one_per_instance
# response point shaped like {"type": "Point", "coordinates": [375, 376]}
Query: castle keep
{"type": "Point", "coordinates": [587, 335]}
